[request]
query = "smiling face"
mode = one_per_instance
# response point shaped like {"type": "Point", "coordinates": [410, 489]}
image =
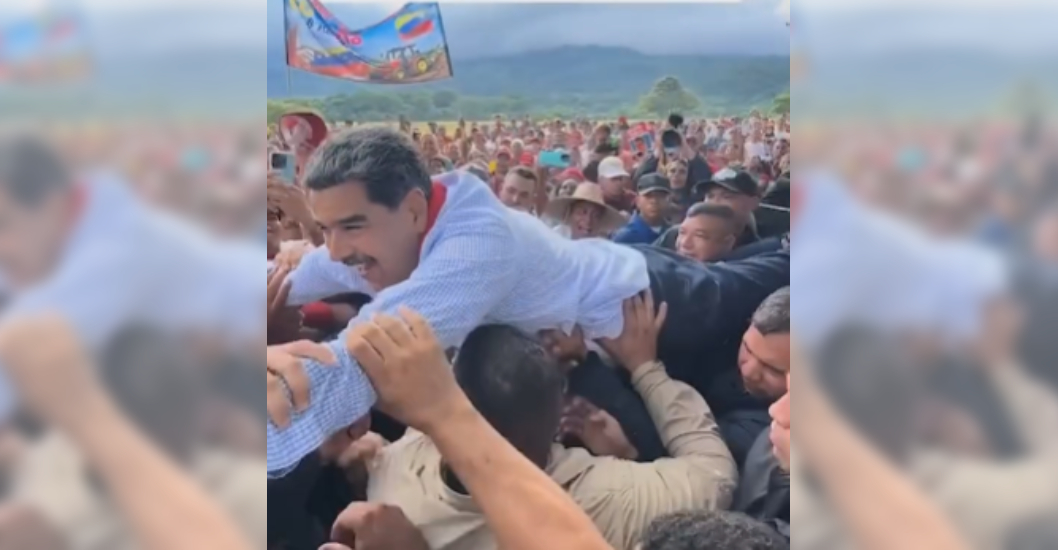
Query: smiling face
{"type": "Point", "coordinates": [584, 219]}
{"type": "Point", "coordinates": [705, 238]}
{"type": "Point", "coordinates": [383, 244]}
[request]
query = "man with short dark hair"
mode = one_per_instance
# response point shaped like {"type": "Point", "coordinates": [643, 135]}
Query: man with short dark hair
{"type": "Point", "coordinates": [518, 189]}
{"type": "Point", "coordinates": [648, 221]}
{"type": "Point", "coordinates": [708, 232]}
{"type": "Point", "coordinates": [764, 361]}
{"type": "Point", "coordinates": [449, 249]}
{"type": "Point", "coordinates": [90, 250]}
{"type": "Point", "coordinates": [718, 530]}
{"type": "Point", "coordinates": [518, 387]}
{"type": "Point", "coordinates": [737, 189]}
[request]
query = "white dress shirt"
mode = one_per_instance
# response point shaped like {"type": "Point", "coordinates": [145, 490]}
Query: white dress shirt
{"type": "Point", "coordinates": [481, 263]}
{"type": "Point", "coordinates": [856, 265]}
{"type": "Point", "coordinates": [126, 262]}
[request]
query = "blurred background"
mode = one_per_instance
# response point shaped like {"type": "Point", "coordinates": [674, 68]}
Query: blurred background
{"type": "Point", "coordinates": [926, 264]}
{"type": "Point", "coordinates": [136, 129]}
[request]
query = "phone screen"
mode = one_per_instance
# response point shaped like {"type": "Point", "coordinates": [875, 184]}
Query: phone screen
{"type": "Point", "coordinates": [285, 165]}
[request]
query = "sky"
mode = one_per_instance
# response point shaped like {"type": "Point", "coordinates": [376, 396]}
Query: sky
{"type": "Point", "coordinates": [494, 29]}
{"type": "Point", "coordinates": [752, 26]}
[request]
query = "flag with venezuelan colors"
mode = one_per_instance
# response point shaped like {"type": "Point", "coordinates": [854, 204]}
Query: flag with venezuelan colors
{"type": "Point", "coordinates": [407, 47]}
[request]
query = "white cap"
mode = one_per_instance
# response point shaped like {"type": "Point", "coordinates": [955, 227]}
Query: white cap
{"type": "Point", "coordinates": [612, 167]}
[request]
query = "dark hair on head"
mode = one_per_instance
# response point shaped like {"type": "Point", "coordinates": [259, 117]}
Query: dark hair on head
{"type": "Point", "coordinates": [591, 171]}
{"type": "Point", "coordinates": [715, 530]}
{"type": "Point", "coordinates": [773, 314]}
{"type": "Point", "coordinates": [875, 382]}
{"type": "Point", "coordinates": [384, 160]}
{"type": "Point", "coordinates": [605, 148]}
{"type": "Point", "coordinates": [30, 169]}
{"type": "Point", "coordinates": [515, 384]}
{"type": "Point", "coordinates": [523, 172]}
{"type": "Point", "coordinates": [718, 211]}
{"type": "Point", "coordinates": [710, 209]}
{"type": "Point", "coordinates": [152, 378]}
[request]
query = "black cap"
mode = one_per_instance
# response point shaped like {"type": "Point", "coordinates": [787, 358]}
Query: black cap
{"type": "Point", "coordinates": [653, 182]}
{"type": "Point", "coordinates": [734, 180]}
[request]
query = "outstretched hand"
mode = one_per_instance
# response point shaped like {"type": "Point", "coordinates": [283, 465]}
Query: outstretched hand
{"type": "Point", "coordinates": [638, 343]}
{"type": "Point", "coordinates": [286, 375]}
{"type": "Point", "coordinates": [408, 368]}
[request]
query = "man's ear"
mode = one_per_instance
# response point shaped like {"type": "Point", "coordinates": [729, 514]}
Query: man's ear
{"type": "Point", "coordinates": [419, 207]}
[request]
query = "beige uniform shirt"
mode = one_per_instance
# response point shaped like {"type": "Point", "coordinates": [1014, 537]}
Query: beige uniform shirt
{"type": "Point", "coordinates": [52, 480]}
{"type": "Point", "coordinates": [986, 500]}
{"type": "Point", "coordinates": [621, 497]}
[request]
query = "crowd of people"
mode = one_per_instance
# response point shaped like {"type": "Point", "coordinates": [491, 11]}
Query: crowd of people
{"type": "Point", "coordinates": [942, 240]}
{"type": "Point", "coordinates": [529, 334]}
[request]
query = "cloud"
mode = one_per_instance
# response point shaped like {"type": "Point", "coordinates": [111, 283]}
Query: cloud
{"type": "Point", "coordinates": [477, 30]}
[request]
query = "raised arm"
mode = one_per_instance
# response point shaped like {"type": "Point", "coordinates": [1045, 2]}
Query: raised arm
{"type": "Point", "coordinates": [525, 509]}
{"type": "Point", "coordinates": [455, 289]}
{"type": "Point", "coordinates": [317, 277]}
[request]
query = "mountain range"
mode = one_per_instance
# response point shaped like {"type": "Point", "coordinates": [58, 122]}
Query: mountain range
{"type": "Point", "coordinates": [612, 72]}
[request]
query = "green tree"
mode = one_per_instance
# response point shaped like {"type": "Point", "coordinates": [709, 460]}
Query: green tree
{"type": "Point", "coordinates": [781, 104]}
{"type": "Point", "coordinates": [443, 99]}
{"type": "Point", "coordinates": [669, 96]}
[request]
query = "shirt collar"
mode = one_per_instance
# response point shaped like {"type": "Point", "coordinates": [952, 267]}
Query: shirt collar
{"type": "Point", "coordinates": [438, 195]}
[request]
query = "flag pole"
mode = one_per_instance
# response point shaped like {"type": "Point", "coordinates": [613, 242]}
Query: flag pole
{"type": "Point", "coordinates": [286, 46]}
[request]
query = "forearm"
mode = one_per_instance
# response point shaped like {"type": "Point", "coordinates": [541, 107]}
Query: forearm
{"type": "Point", "coordinates": [166, 509]}
{"type": "Point", "coordinates": [681, 415]}
{"type": "Point", "coordinates": [525, 508]}
{"type": "Point", "coordinates": [340, 395]}
{"type": "Point", "coordinates": [848, 469]}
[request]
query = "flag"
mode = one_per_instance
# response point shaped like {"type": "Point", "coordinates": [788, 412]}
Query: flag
{"type": "Point", "coordinates": [405, 48]}
{"type": "Point", "coordinates": [44, 48]}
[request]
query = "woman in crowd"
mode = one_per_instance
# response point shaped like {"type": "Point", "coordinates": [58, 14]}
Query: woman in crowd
{"type": "Point", "coordinates": [584, 213]}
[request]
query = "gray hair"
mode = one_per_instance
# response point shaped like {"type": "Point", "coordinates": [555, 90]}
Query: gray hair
{"type": "Point", "coordinates": [773, 314]}
{"type": "Point", "coordinates": [384, 161]}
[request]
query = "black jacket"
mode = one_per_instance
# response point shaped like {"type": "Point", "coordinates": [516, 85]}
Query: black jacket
{"type": "Point", "coordinates": [764, 488]}
{"type": "Point", "coordinates": [749, 236]}
{"type": "Point", "coordinates": [709, 308]}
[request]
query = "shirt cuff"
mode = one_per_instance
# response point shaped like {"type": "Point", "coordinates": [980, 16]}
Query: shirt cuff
{"type": "Point", "coordinates": [649, 374]}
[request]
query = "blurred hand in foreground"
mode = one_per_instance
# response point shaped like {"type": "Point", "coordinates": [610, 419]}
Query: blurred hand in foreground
{"type": "Point", "coordinates": [374, 526]}
{"type": "Point", "coordinates": [50, 369]}
{"type": "Point", "coordinates": [408, 368]}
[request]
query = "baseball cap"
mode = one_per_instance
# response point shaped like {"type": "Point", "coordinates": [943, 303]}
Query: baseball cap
{"type": "Point", "coordinates": [612, 167]}
{"type": "Point", "coordinates": [653, 182]}
{"type": "Point", "coordinates": [734, 180]}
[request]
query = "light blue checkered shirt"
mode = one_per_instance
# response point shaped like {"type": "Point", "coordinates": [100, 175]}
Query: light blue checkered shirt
{"type": "Point", "coordinates": [481, 263]}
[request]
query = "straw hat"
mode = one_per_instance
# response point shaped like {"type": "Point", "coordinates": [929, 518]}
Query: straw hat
{"type": "Point", "coordinates": [558, 209]}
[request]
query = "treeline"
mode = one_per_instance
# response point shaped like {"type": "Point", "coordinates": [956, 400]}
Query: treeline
{"type": "Point", "coordinates": [666, 96]}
